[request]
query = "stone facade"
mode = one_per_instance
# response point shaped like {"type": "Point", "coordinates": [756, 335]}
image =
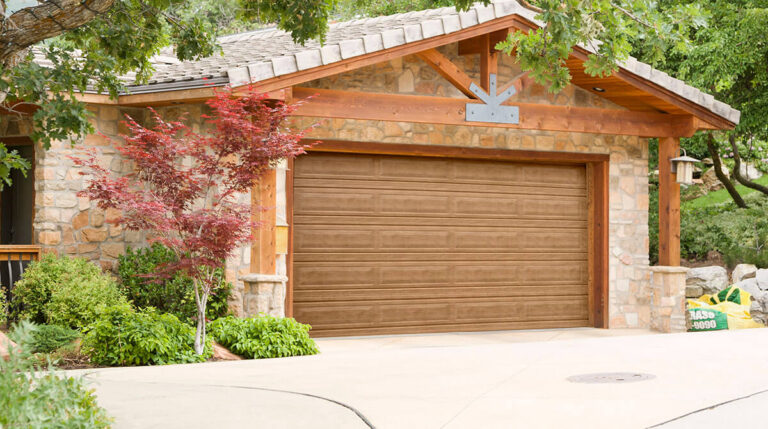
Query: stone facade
{"type": "Point", "coordinates": [668, 299]}
{"type": "Point", "coordinates": [67, 224]}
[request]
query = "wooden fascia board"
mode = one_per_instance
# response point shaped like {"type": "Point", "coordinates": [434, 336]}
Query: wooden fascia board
{"type": "Point", "coordinates": [194, 95]}
{"type": "Point", "coordinates": [324, 103]}
{"type": "Point", "coordinates": [645, 85]}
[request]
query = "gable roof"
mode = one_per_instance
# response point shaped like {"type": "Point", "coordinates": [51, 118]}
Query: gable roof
{"type": "Point", "coordinates": [267, 54]}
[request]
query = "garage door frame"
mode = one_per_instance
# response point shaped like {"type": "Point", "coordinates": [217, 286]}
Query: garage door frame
{"type": "Point", "coordinates": [597, 202]}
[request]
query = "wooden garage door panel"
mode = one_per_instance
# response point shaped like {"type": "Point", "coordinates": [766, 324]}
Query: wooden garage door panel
{"type": "Point", "coordinates": [390, 244]}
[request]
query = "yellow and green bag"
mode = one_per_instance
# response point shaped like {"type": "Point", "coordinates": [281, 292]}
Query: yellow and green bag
{"type": "Point", "coordinates": [729, 309]}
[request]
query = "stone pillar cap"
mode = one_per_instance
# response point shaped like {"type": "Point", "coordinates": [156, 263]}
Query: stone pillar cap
{"type": "Point", "coordinates": [671, 270]}
{"type": "Point", "coordinates": [263, 278]}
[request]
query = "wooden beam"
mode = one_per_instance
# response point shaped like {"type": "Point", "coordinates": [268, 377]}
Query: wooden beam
{"type": "Point", "coordinates": [450, 71]}
{"type": "Point", "coordinates": [263, 204]}
{"type": "Point", "coordinates": [669, 204]}
{"type": "Point", "coordinates": [489, 62]}
{"type": "Point", "coordinates": [326, 103]}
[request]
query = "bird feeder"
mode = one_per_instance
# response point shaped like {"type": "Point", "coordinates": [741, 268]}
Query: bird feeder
{"type": "Point", "coordinates": [682, 166]}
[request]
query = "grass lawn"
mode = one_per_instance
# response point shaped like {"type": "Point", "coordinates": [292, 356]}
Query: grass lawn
{"type": "Point", "coordinates": [722, 196]}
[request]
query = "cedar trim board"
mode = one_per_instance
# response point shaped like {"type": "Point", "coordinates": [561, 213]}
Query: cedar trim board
{"type": "Point", "coordinates": [329, 103]}
{"type": "Point", "coordinates": [595, 164]}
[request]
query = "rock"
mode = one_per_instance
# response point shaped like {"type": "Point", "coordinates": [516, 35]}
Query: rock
{"type": "Point", "coordinates": [710, 178]}
{"type": "Point", "coordinates": [5, 345]}
{"type": "Point", "coordinates": [222, 353]}
{"type": "Point", "coordinates": [759, 308]}
{"type": "Point", "coordinates": [749, 172]}
{"type": "Point", "coordinates": [693, 291]}
{"type": "Point", "coordinates": [762, 279]}
{"type": "Point", "coordinates": [707, 161]}
{"type": "Point", "coordinates": [711, 279]}
{"type": "Point", "coordinates": [743, 271]}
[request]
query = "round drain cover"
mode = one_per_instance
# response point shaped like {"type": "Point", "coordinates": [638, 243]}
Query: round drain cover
{"type": "Point", "coordinates": [610, 377]}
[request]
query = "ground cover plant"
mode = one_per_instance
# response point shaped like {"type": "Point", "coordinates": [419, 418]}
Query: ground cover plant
{"type": "Point", "coordinates": [48, 400]}
{"type": "Point", "coordinates": [122, 336]}
{"type": "Point", "coordinates": [64, 291]}
{"type": "Point", "coordinates": [188, 189]}
{"type": "Point", "coordinates": [42, 338]}
{"type": "Point", "coordinates": [174, 293]}
{"type": "Point", "coordinates": [263, 336]}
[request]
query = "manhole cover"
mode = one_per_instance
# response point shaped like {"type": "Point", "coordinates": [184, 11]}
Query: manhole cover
{"type": "Point", "coordinates": [610, 377]}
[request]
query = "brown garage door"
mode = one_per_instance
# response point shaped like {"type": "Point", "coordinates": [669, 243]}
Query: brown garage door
{"type": "Point", "coordinates": [399, 244]}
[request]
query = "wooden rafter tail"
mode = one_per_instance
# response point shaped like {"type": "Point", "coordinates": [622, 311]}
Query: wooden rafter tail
{"type": "Point", "coordinates": [447, 69]}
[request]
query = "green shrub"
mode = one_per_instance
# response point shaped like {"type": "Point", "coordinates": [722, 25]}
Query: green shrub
{"type": "Point", "coordinates": [263, 336]}
{"type": "Point", "coordinates": [63, 291]}
{"type": "Point", "coordinates": [47, 401]}
{"type": "Point", "coordinates": [44, 338]}
{"type": "Point", "coordinates": [123, 336]}
{"type": "Point", "coordinates": [3, 307]}
{"type": "Point", "coordinates": [174, 295]}
{"type": "Point", "coordinates": [724, 228]}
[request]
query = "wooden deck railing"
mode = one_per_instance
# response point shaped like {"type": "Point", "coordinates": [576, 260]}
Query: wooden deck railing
{"type": "Point", "coordinates": [14, 259]}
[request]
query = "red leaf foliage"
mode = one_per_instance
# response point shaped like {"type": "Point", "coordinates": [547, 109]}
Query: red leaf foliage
{"type": "Point", "coordinates": [185, 187]}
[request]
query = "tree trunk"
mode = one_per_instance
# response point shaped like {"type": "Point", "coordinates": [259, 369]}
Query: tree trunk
{"type": "Point", "coordinates": [713, 152]}
{"type": "Point", "coordinates": [737, 169]}
{"type": "Point", "coordinates": [201, 299]}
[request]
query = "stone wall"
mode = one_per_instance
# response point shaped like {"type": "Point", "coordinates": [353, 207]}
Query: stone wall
{"type": "Point", "coordinates": [629, 295]}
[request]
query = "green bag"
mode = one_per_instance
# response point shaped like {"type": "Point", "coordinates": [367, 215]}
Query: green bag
{"type": "Point", "coordinates": [707, 319]}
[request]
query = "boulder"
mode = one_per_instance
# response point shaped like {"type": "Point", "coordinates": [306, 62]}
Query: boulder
{"type": "Point", "coordinates": [750, 172]}
{"type": "Point", "coordinates": [710, 178]}
{"type": "Point", "coordinates": [222, 353]}
{"type": "Point", "coordinates": [711, 279]}
{"type": "Point", "coordinates": [5, 345]}
{"type": "Point", "coordinates": [743, 271]}
{"type": "Point", "coordinates": [693, 291]}
{"type": "Point", "coordinates": [759, 308]}
{"type": "Point", "coordinates": [762, 279]}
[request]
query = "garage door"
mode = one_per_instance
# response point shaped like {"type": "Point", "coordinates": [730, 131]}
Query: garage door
{"type": "Point", "coordinates": [399, 244]}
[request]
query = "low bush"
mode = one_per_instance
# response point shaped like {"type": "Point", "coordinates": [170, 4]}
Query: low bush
{"type": "Point", "coordinates": [174, 295]}
{"type": "Point", "coordinates": [123, 336]}
{"type": "Point", "coordinates": [263, 336]}
{"type": "Point", "coordinates": [63, 291]}
{"type": "Point", "coordinates": [47, 338]}
{"type": "Point", "coordinates": [3, 307]}
{"type": "Point", "coordinates": [47, 401]}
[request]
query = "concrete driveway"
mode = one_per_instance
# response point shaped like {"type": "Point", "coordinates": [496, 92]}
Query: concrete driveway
{"type": "Point", "coordinates": [472, 380]}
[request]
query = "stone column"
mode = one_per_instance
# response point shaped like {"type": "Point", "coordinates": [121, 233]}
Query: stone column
{"type": "Point", "coordinates": [668, 299]}
{"type": "Point", "coordinates": [264, 294]}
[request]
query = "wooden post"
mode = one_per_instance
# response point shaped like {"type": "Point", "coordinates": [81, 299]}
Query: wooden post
{"type": "Point", "coordinates": [489, 61]}
{"type": "Point", "coordinates": [669, 204]}
{"type": "Point", "coordinates": [263, 258]}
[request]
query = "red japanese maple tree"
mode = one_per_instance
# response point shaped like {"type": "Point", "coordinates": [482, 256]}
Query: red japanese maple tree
{"type": "Point", "coordinates": [185, 187]}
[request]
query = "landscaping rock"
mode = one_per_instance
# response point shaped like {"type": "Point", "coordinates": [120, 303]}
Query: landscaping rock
{"type": "Point", "coordinates": [762, 279]}
{"type": "Point", "coordinates": [742, 272]}
{"type": "Point", "coordinates": [5, 345]}
{"type": "Point", "coordinates": [759, 307]}
{"type": "Point", "coordinates": [750, 172]}
{"type": "Point", "coordinates": [222, 353]}
{"type": "Point", "coordinates": [693, 291]}
{"type": "Point", "coordinates": [710, 178]}
{"type": "Point", "coordinates": [711, 279]}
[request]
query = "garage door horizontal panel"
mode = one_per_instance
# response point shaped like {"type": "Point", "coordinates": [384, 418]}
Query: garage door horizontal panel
{"type": "Point", "coordinates": [387, 239]}
{"type": "Point", "coordinates": [314, 276]}
{"type": "Point", "coordinates": [325, 185]}
{"type": "Point", "coordinates": [324, 258]}
{"type": "Point", "coordinates": [465, 327]}
{"type": "Point", "coordinates": [500, 222]}
{"type": "Point", "coordinates": [394, 244]}
{"type": "Point", "coordinates": [405, 313]}
{"type": "Point", "coordinates": [436, 291]}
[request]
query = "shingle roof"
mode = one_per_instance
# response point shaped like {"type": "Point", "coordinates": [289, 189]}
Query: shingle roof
{"type": "Point", "coordinates": [256, 56]}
